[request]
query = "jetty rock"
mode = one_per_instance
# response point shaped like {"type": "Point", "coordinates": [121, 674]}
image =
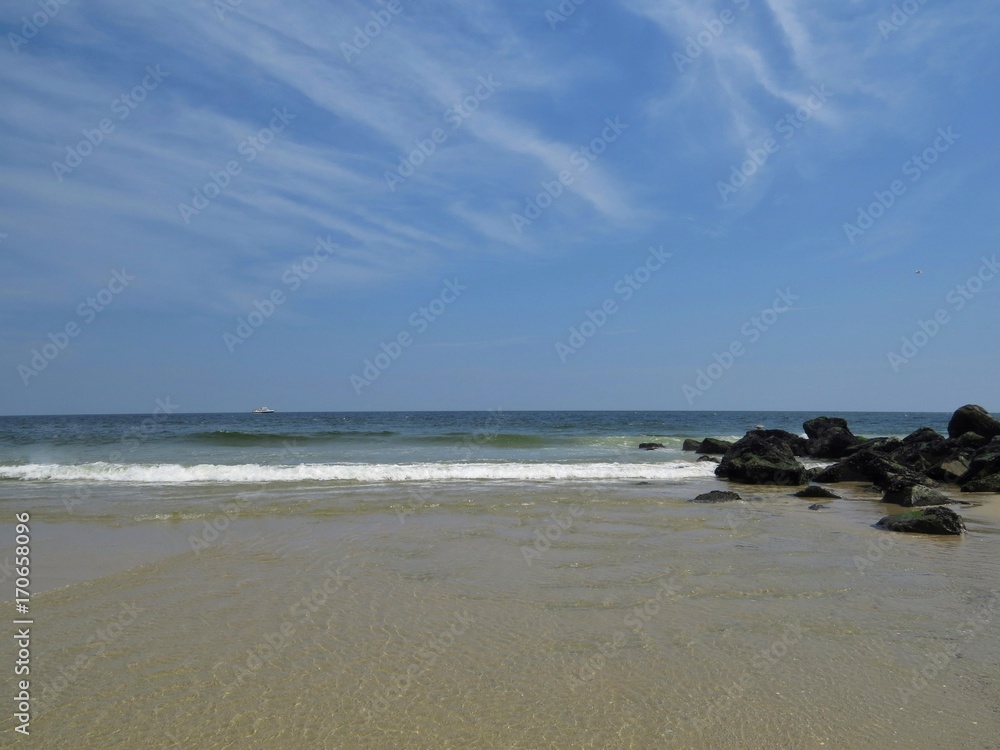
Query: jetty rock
{"type": "Point", "coordinates": [915, 496]}
{"type": "Point", "coordinates": [717, 496]}
{"type": "Point", "coordinates": [983, 474]}
{"type": "Point", "coordinates": [830, 437]}
{"type": "Point", "coordinates": [764, 457]}
{"type": "Point", "coordinates": [973, 418]}
{"type": "Point", "coordinates": [814, 490]}
{"type": "Point", "coordinates": [935, 520]}
{"type": "Point", "coordinates": [871, 465]}
{"type": "Point", "coordinates": [714, 446]}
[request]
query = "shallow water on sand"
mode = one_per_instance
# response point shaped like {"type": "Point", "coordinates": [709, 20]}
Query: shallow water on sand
{"type": "Point", "coordinates": [410, 617]}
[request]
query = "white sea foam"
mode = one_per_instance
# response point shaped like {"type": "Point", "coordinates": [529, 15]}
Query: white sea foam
{"type": "Point", "coordinates": [419, 472]}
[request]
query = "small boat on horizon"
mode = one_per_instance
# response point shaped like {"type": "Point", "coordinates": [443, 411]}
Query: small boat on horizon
{"type": "Point", "coordinates": [262, 410]}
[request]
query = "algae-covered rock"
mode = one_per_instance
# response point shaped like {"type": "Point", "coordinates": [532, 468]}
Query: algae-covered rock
{"type": "Point", "coordinates": [915, 496]}
{"type": "Point", "coordinates": [830, 437]}
{"type": "Point", "coordinates": [935, 520]}
{"type": "Point", "coordinates": [714, 446]}
{"type": "Point", "coordinates": [814, 490]}
{"type": "Point", "coordinates": [758, 458]}
{"type": "Point", "coordinates": [868, 465]}
{"type": "Point", "coordinates": [717, 496]}
{"type": "Point", "coordinates": [973, 418]}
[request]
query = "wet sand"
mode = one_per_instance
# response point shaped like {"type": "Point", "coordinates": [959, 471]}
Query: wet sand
{"type": "Point", "coordinates": [642, 620]}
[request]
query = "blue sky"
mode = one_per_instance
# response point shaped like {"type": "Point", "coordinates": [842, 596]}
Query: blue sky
{"type": "Point", "coordinates": [369, 187]}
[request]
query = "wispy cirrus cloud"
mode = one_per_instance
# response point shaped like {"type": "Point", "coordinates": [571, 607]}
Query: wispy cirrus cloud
{"type": "Point", "coordinates": [324, 173]}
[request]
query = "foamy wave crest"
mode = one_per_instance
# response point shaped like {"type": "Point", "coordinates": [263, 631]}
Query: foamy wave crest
{"type": "Point", "coordinates": [423, 472]}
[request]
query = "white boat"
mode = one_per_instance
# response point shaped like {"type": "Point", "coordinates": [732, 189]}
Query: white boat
{"type": "Point", "coordinates": [262, 410]}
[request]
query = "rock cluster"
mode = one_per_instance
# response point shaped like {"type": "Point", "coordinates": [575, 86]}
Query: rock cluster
{"type": "Point", "coordinates": [908, 471]}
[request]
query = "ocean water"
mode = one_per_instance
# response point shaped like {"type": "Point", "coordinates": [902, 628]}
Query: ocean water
{"type": "Point", "coordinates": [485, 580]}
{"type": "Point", "coordinates": [379, 447]}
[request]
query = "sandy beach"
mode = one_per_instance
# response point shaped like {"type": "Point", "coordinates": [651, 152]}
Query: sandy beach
{"type": "Point", "coordinates": [642, 620]}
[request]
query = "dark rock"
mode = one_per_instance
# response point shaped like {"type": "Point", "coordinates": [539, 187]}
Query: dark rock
{"type": "Point", "coordinates": [816, 427]}
{"type": "Point", "coordinates": [952, 458]}
{"type": "Point", "coordinates": [834, 444]}
{"type": "Point", "coordinates": [829, 437]}
{"type": "Point", "coordinates": [915, 496]}
{"type": "Point", "coordinates": [949, 470]}
{"type": "Point", "coordinates": [691, 444]}
{"type": "Point", "coordinates": [865, 465]}
{"type": "Point", "coordinates": [651, 446]}
{"type": "Point", "coordinates": [983, 473]}
{"type": "Point", "coordinates": [922, 435]}
{"type": "Point", "coordinates": [817, 506]}
{"type": "Point", "coordinates": [714, 446]}
{"type": "Point", "coordinates": [972, 418]}
{"type": "Point", "coordinates": [935, 520]}
{"type": "Point", "coordinates": [921, 450]}
{"type": "Point", "coordinates": [971, 440]}
{"type": "Point", "coordinates": [713, 459]}
{"type": "Point", "coordinates": [880, 444]}
{"type": "Point", "coordinates": [796, 444]}
{"type": "Point", "coordinates": [989, 483]}
{"type": "Point", "coordinates": [762, 458]}
{"type": "Point", "coordinates": [814, 490]}
{"type": "Point", "coordinates": [717, 496]}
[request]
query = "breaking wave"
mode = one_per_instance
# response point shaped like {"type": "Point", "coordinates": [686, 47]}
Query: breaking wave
{"type": "Point", "coordinates": [362, 473]}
